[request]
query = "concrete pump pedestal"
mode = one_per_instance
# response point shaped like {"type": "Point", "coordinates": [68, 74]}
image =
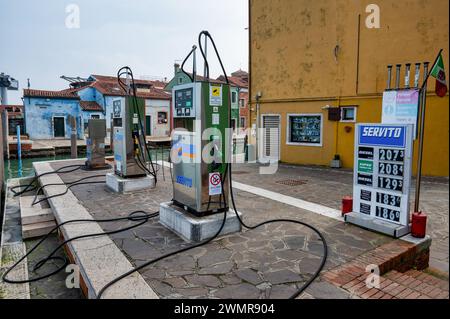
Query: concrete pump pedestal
{"type": "Point", "coordinates": [378, 225]}
{"type": "Point", "coordinates": [195, 229]}
{"type": "Point", "coordinates": [124, 185]}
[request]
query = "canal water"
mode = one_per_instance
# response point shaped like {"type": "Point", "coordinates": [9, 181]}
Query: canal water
{"type": "Point", "coordinates": [12, 169]}
{"type": "Point", "coordinates": [12, 166]}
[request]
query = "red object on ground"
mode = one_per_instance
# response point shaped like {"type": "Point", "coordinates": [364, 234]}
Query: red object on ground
{"type": "Point", "coordinates": [418, 224]}
{"type": "Point", "coordinates": [347, 205]}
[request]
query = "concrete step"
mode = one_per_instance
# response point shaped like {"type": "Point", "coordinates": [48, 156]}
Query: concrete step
{"type": "Point", "coordinates": [27, 201]}
{"type": "Point", "coordinates": [33, 216]}
{"type": "Point", "coordinates": [37, 229]}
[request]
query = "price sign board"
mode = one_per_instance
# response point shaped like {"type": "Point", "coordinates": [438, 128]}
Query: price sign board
{"type": "Point", "coordinates": [382, 171]}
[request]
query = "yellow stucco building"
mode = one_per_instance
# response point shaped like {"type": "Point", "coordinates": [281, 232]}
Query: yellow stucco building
{"type": "Point", "coordinates": [307, 56]}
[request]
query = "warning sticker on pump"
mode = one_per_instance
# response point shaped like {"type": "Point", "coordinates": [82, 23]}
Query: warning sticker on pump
{"type": "Point", "coordinates": [215, 95]}
{"type": "Point", "coordinates": [215, 184]}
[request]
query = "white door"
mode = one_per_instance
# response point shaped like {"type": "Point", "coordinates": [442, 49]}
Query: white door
{"type": "Point", "coordinates": [270, 148]}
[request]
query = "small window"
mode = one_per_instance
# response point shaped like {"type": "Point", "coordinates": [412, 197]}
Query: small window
{"type": "Point", "coordinates": [348, 114]}
{"type": "Point", "coordinates": [180, 80]}
{"type": "Point", "coordinates": [305, 129]}
{"type": "Point", "coordinates": [95, 116]}
{"type": "Point", "coordinates": [162, 117]}
{"type": "Point", "coordinates": [242, 102]}
{"type": "Point", "coordinates": [242, 123]}
{"type": "Point", "coordinates": [233, 97]}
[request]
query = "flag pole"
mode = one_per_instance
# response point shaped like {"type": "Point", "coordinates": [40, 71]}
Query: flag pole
{"type": "Point", "coordinates": [432, 67]}
{"type": "Point", "coordinates": [423, 101]}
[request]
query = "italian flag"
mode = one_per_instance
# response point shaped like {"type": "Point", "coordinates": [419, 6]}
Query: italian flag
{"type": "Point", "coordinates": [438, 72]}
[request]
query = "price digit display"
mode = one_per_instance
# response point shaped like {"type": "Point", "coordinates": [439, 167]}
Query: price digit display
{"type": "Point", "coordinates": [390, 169]}
{"type": "Point", "coordinates": [389, 183]}
{"type": "Point", "coordinates": [391, 155]}
{"type": "Point", "coordinates": [388, 199]}
{"type": "Point", "coordinates": [388, 214]}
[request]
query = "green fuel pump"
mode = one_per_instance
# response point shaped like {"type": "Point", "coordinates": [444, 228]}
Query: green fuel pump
{"type": "Point", "coordinates": [200, 146]}
{"type": "Point", "coordinates": [201, 141]}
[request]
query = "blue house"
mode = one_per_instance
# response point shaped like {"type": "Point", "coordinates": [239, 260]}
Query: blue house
{"type": "Point", "coordinates": [47, 113]}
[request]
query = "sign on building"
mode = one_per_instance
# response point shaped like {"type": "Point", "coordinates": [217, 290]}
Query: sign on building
{"type": "Point", "coordinates": [382, 176]}
{"type": "Point", "coordinates": [400, 107]}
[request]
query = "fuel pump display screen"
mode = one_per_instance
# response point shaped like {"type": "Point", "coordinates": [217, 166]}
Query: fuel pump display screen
{"type": "Point", "coordinates": [382, 171]}
{"type": "Point", "coordinates": [184, 103]}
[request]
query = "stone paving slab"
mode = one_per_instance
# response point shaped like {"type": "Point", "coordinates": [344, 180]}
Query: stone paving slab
{"type": "Point", "coordinates": [11, 254]}
{"type": "Point", "coordinates": [271, 262]}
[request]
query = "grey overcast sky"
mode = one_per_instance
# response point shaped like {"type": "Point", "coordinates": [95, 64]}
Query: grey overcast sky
{"type": "Point", "coordinates": [147, 35]}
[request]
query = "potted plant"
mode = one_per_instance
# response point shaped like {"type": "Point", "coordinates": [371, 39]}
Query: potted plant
{"type": "Point", "coordinates": [336, 162]}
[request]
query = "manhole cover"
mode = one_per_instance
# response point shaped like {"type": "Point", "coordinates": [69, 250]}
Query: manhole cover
{"type": "Point", "coordinates": [292, 182]}
{"type": "Point", "coordinates": [239, 172]}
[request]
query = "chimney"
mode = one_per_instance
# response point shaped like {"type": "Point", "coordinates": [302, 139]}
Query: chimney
{"type": "Point", "coordinates": [176, 68]}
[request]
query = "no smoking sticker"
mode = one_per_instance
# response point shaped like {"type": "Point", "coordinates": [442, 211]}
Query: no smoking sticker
{"type": "Point", "coordinates": [215, 184]}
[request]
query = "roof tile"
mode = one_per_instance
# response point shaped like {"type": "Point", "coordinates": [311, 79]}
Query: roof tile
{"type": "Point", "coordinates": [90, 106]}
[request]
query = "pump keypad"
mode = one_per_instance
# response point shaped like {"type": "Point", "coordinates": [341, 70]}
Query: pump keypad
{"type": "Point", "coordinates": [184, 102]}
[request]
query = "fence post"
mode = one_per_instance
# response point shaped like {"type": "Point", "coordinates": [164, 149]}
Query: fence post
{"type": "Point", "coordinates": [73, 137]}
{"type": "Point", "coordinates": [19, 153]}
{"type": "Point", "coordinates": [2, 154]}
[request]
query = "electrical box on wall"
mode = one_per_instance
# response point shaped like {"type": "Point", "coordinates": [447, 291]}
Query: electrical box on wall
{"type": "Point", "coordinates": [334, 114]}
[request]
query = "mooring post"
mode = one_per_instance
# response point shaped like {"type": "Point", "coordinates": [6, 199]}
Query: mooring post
{"type": "Point", "coordinates": [73, 137]}
{"type": "Point", "coordinates": [2, 162]}
{"type": "Point", "coordinates": [111, 135]}
{"type": "Point", "coordinates": [19, 153]}
{"type": "Point", "coordinates": [5, 132]}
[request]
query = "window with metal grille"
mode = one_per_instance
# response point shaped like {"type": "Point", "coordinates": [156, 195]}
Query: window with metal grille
{"type": "Point", "coordinates": [271, 125]}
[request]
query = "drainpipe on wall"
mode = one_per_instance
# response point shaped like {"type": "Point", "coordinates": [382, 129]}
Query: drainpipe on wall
{"type": "Point", "coordinates": [258, 124]}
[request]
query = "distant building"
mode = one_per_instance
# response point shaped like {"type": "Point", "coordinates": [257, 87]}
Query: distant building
{"type": "Point", "coordinates": [179, 77]}
{"type": "Point", "coordinates": [15, 118]}
{"type": "Point", "coordinates": [239, 94]}
{"type": "Point", "coordinates": [47, 112]}
{"type": "Point", "coordinates": [324, 67]}
{"type": "Point", "coordinates": [239, 99]}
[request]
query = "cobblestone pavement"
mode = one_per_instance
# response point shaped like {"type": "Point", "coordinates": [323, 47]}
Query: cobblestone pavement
{"type": "Point", "coordinates": [271, 262]}
{"type": "Point", "coordinates": [327, 187]}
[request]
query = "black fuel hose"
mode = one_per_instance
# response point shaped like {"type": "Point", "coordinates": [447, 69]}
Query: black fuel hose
{"type": "Point", "coordinates": [299, 291]}
{"type": "Point", "coordinates": [173, 253]}
{"type": "Point", "coordinates": [68, 186]}
{"type": "Point", "coordinates": [35, 178]}
{"type": "Point", "coordinates": [128, 72]}
{"type": "Point", "coordinates": [137, 216]}
{"type": "Point", "coordinates": [281, 220]}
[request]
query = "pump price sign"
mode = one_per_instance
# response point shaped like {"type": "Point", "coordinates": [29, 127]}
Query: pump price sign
{"type": "Point", "coordinates": [382, 171]}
